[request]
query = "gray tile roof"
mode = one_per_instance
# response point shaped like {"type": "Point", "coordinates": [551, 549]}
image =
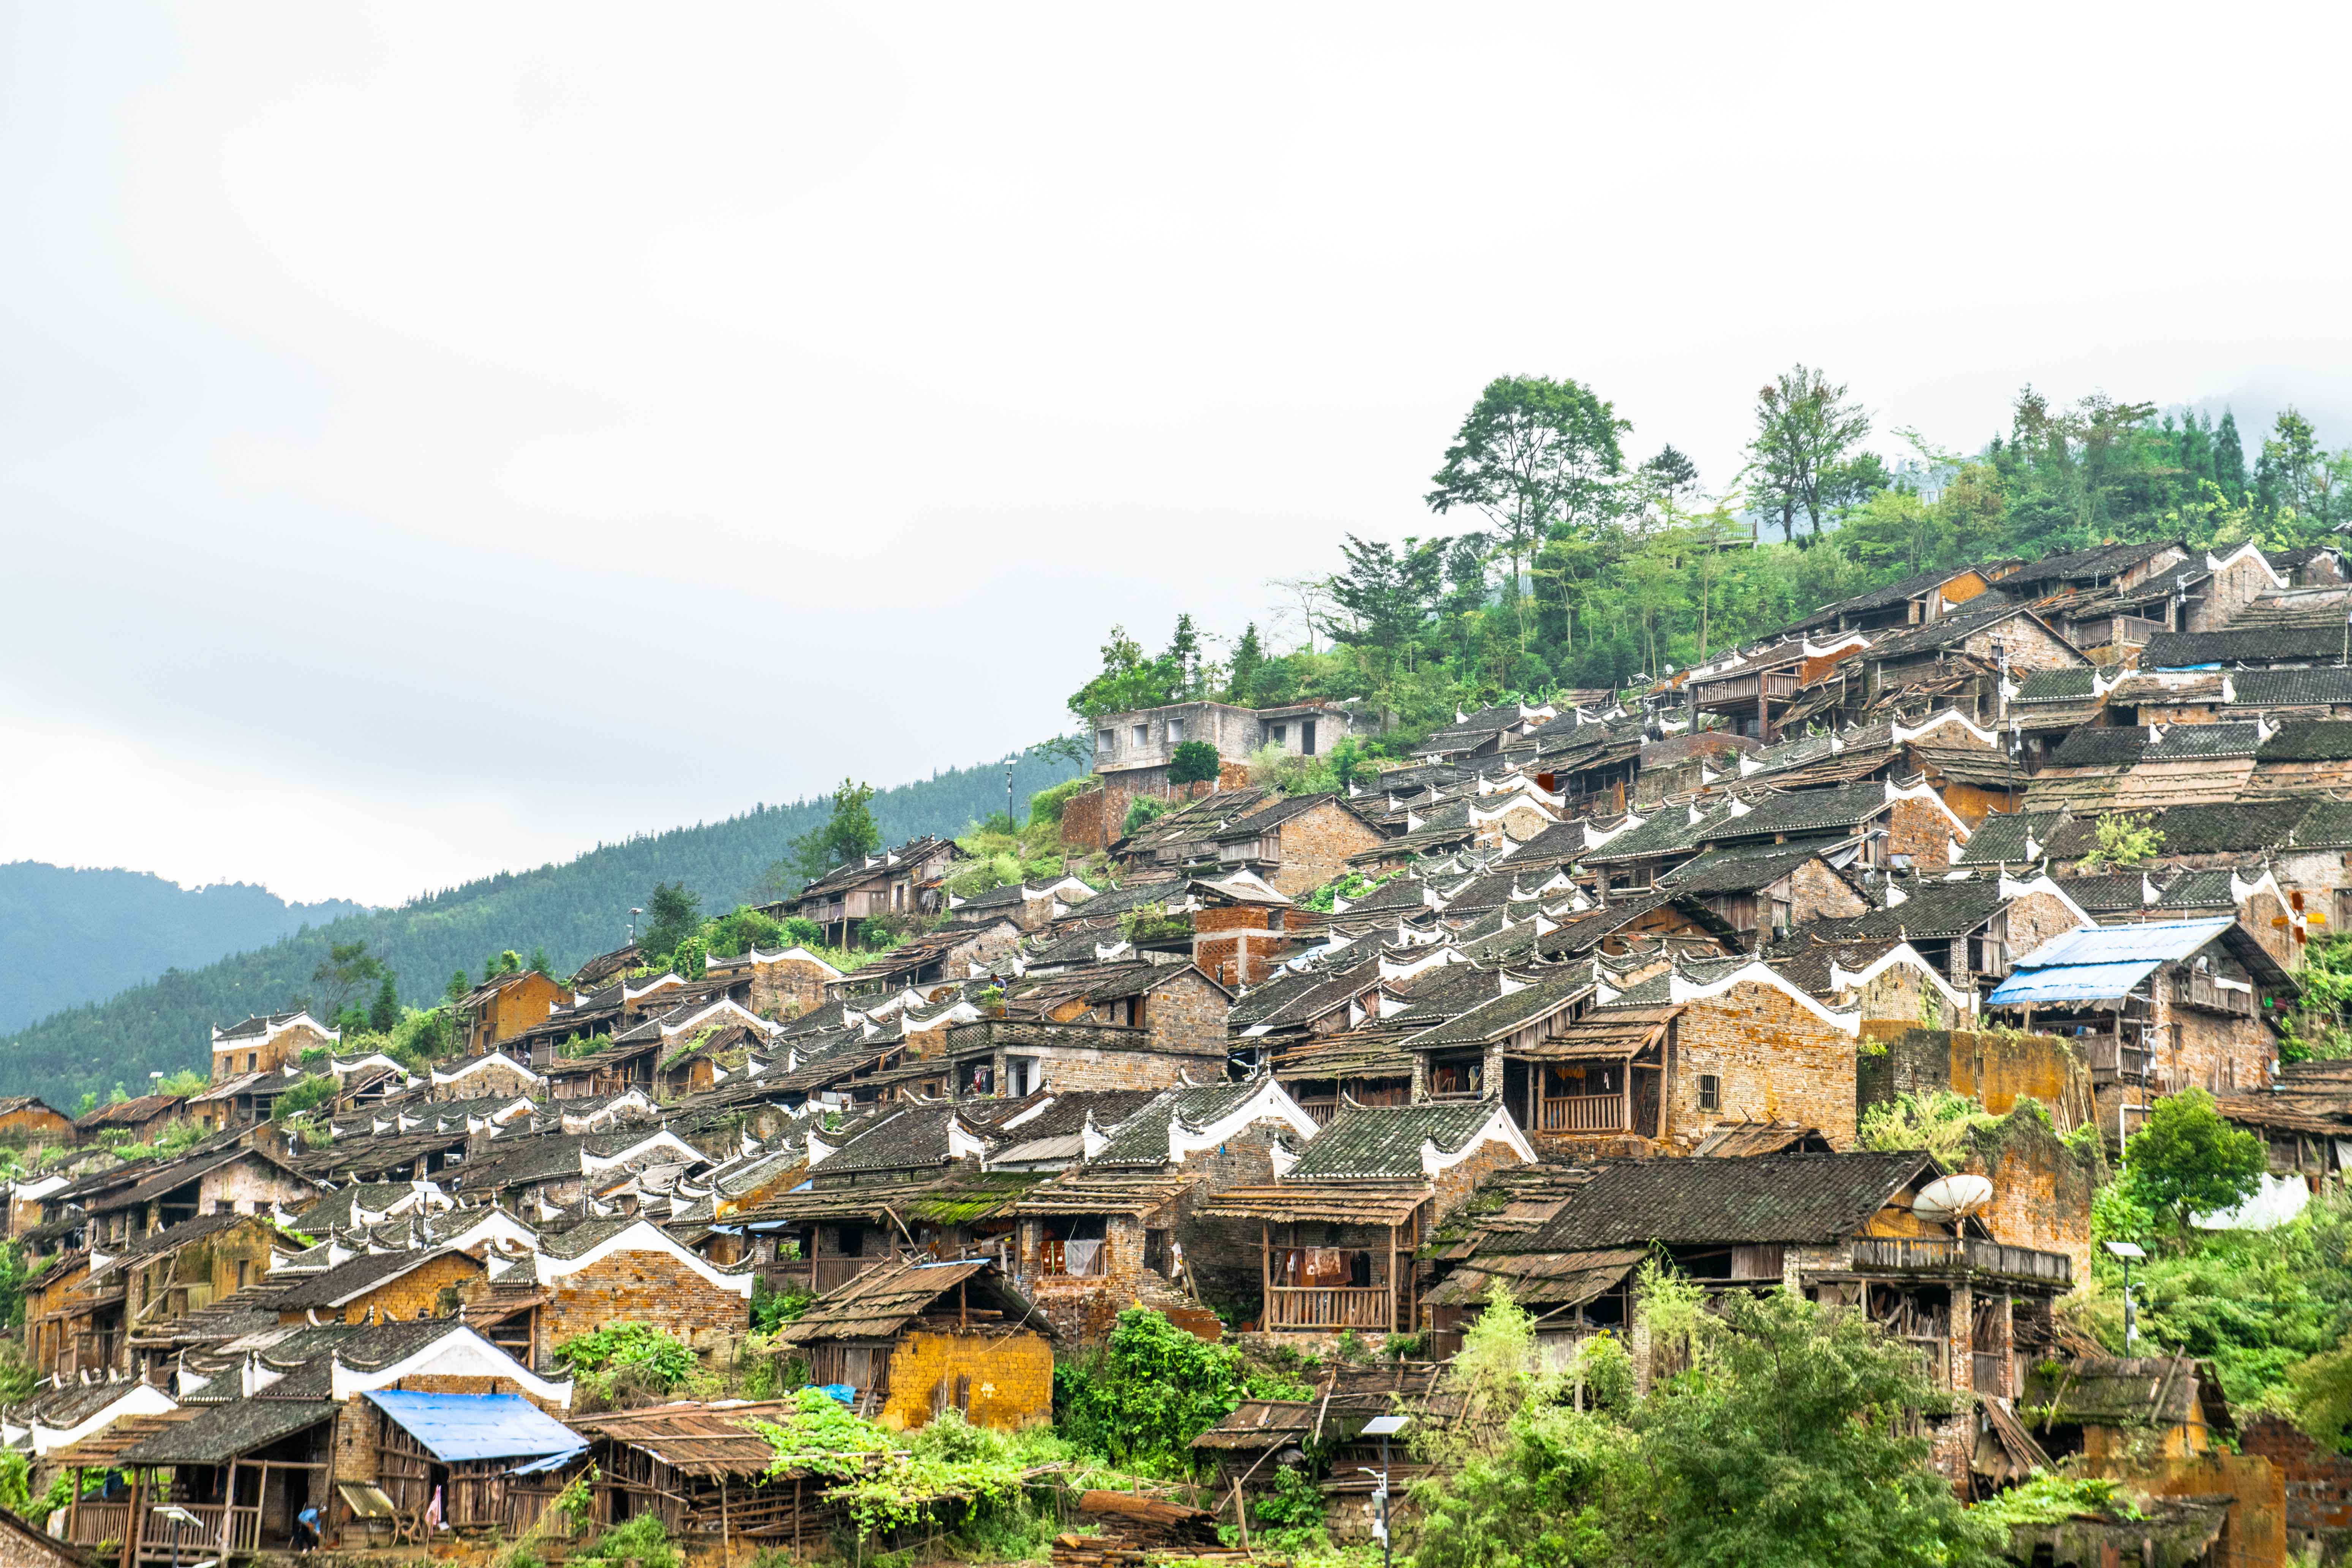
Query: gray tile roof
{"type": "Point", "coordinates": [1744, 868]}
{"type": "Point", "coordinates": [2309, 740]}
{"type": "Point", "coordinates": [1804, 811]}
{"type": "Point", "coordinates": [2202, 742]}
{"type": "Point", "coordinates": [2265, 644]}
{"type": "Point", "coordinates": [1930, 910]}
{"type": "Point", "coordinates": [2072, 684]}
{"type": "Point", "coordinates": [1505, 1013]}
{"type": "Point", "coordinates": [2322, 683]}
{"type": "Point", "coordinates": [2101, 746]}
{"type": "Point", "coordinates": [1383, 1142]}
{"type": "Point", "coordinates": [1802, 1199]}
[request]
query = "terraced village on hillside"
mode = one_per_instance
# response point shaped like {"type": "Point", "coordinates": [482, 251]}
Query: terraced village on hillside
{"type": "Point", "coordinates": [1267, 1068]}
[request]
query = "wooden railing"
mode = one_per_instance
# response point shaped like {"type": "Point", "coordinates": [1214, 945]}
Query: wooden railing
{"type": "Point", "coordinates": [832, 1273]}
{"type": "Point", "coordinates": [95, 1521]}
{"type": "Point", "coordinates": [203, 1537]}
{"type": "Point", "coordinates": [1320, 1111]}
{"type": "Point", "coordinates": [1991, 1370]}
{"type": "Point", "coordinates": [1742, 687]}
{"type": "Point", "coordinates": [1330, 1307]}
{"type": "Point", "coordinates": [2202, 991]}
{"type": "Point", "coordinates": [1580, 1113]}
{"type": "Point", "coordinates": [1964, 1255]}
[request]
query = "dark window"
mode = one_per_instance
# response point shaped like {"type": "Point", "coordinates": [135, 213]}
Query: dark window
{"type": "Point", "coordinates": [1306, 737]}
{"type": "Point", "coordinates": [1710, 1092]}
{"type": "Point", "coordinates": [1281, 731]}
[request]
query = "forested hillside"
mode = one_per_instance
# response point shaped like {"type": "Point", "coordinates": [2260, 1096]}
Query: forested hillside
{"type": "Point", "coordinates": [71, 935]}
{"type": "Point", "coordinates": [574, 910]}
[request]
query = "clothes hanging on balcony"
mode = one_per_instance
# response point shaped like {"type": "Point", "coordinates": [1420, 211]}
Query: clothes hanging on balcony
{"type": "Point", "coordinates": [1082, 1258]}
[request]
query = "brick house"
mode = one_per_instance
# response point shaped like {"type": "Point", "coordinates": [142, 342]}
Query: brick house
{"type": "Point", "coordinates": [1027, 1056]}
{"type": "Point", "coordinates": [1025, 906]}
{"type": "Point", "coordinates": [136, 1293]}
{"type": "Point", "coordinates": [1337, 1230]}
{"type": "Point", "coordinates": [1856, 1230]}
{"type": "Point", "coordinates": [132, 1121]}
{"type": "Point", "coordinates": [1896, 824]}
{"type": "Point", "coordinates": [2156, 1007]}
{"type": "Point", "coordinates": [267, 1043]}
{"type": "Point", "coordinates": [385, 1287]}
{"type": "Point", "coordinates": [1298, 843]}
{"type": "Point", "coordinates": [937, 957]}
{"type": "Point", "coordinates": [1133, 750]}
{"type": "Point", "coordinates": [494, 1075]}
{"type": "Point", "coordinates": [1124, 1221]}
{"type": "Point", "coordinates": [628, 1269]}
{"type": "Point", "coordinates": [1970, 929]}
{"type": "Point", "coordinates": [1764, 889]}
{"type": "Point", "coordinates": [1657, 1067]}
{"type": "Point", "coordinates": [780, 984]}
{"type": "Point", "coordinates": [506, 1005]}
{"type": "Point", "coordinates": [915, 1339]}
{"type": "Point", "coordinates": [1918, 600]}
{"type": "Point", "coordinates": [24, 1119]}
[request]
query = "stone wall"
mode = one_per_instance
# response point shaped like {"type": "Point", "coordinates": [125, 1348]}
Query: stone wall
{"type": "Point", "coordinates": [1455, 1182]}
{"type": "Point", "coordinates": [414, 1294]}
{"type": "Point", "coordinates": [2042, 1189]}
{"type": "Point", "coordinates": [1818, 893]}
{"type": "Point", "coordinates": [1236, 944]}
{"type": "Point", "coordinates": [1995, 1070]}
{"type": "Point", "coordinates": [1186, 1013]}
{"type": "Point", "coordinates": [786, 988]}
{"type": "Point", "coordinates": [1000, 1379]}
{"type": "Point", "coordinates": [640, 1287]}
{"type": "Point", "coordinates": [1774, 1060]}
{"type": "Point", "coordinates": [1315, 847]}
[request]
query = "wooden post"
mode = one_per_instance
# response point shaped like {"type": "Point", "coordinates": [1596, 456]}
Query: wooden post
{"type": "Point", "coordinates": [1265, 1276]}
{"type": "Point", "coordinates": [796, 1516]}
{"type": "Point", "coordinates": [725, 1539]}
{"type": "Point", "coordinates": [1392, 1281]}
{"type": "Point", "coordinates": [131, 1523]}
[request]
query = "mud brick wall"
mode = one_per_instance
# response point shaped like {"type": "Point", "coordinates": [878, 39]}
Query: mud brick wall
{"type": "Point", "coordinates": [784, 988]}
{"type": "Point", "coordinates": [1920, 829]}
{"type": "Point", "coordinates": [2035, 919]}
{"type": "Point", "coordinates": [1817, 894]}
{"type": "Point", "coordinates": [1455, 1182]}
{"type": "Point", "coordinates": [639, 1288]}
{"type": "Point", "coordinates": [2217, 1051]}
{"type": "Point", "coordinates": [1900, 995]}
{"type": "Point", "coordinates": [1006, 1379]}
{"type": "Point", "coordinates": [1234, 945]}
{"type": "Point", "coordinates": [1995, 1070]}
{"type": "Point", "coordinates": [414, 1294]}
{"type": "Point", "coordinates": [1315, 847]}
{"type": "Point", "coordinates": [1775, 1060]}
{"type": "Point", "coordinates": [2318, 1487]}
{"type": "Point", "coordinates": [2041, 1191]}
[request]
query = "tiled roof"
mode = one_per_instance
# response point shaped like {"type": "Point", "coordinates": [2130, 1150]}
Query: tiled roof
{"type": "Point", "coordinates": [2309, 740]}
{"type": "Point", "coordinates": [2200, 743]}
{"type": "Point", "coordinates": [1930, 910]}
{"type": "Point", "coordinates": [2000, 837]}
{"type": "Point", "coordinates": [1805, 1199]}
{"type": "Point", "coordinates": [1895, 592]}
{"type": "Point", "coordinates": [1954, 628]}
{"type": "Point", "coordinates": [2265, 644]}
{"type": "Point", "coordinates": [2101, 746]}
{"type": "Point", "coordinates": [2120, 892]}
{"type": "Point", "coordinates": [1744, 868]}
{"type": "Point", "coordinates": [1143, 1138]}
{"type": "Point", "coordinates": [909, 1139]}
{"type": "Point", "coordinates": [354, 1277]}
{"type": "Point", "coordinates": [1502, 1015]}
{"type": "Point", "coordinates": [1804, 811]}
{"type": "Point", "coordinates": [2099, 560]}
{"type": "Point", "coordinates": [1668, 830]}
{"type": "Point", "coordinates": [2070, 684]}
{"type": "Point", "coordinates": [2309, 687]}
{"type": "Point", "coordinates": [222, 1432]}
{"type": "Point", "coordinates": [1383, 1142]}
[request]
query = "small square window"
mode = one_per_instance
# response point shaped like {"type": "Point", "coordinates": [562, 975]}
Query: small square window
{"type": "Point", "coordinates": [1106, 739]}
{"type": "Point", "coordinates": [1281, 732]}
{"type": "Point", "coordinates": [1175, 732]}
{"type": "Point", "coordinates": [1710, 1092]}
{"type": "Point", "coordinates": [1143, 734]}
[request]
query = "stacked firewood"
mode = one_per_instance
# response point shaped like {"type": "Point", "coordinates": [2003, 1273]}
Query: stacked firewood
{"type": "Point", "coordinates": [1144, 1532]}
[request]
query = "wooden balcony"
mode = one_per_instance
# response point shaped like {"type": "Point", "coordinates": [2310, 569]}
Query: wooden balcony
{"type": "Point", "coordinates": [1963, 1255]}
{"type": "Point", "coordinates": [1330, 1307]}
{"type": "Point", "coordinates": [2205, 993]}
{"type": "Point", "coordinates": [2109, 1059]}
{"type": "Point", "coordinates": [1580, 1113]}
{"type": "Point", "coordinates": [1778, 686]}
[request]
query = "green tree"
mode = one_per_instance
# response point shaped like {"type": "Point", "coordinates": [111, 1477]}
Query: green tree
{"type": "Point", "coordinates": [849, 834]}
{"type": "Point", "coordinates": [2186, 1159]}
{"type": "Point", "coordinates": [1148, 1392]}
{"type": "Point", "coordinates": [2122, 841]}
{"type": "Point", "coordinates": [1241, 675]}
{"type": "Point", "coordinates": [672, 914]}
{"type": "Point", "coordinates": [541, 963]}
{"type": "Point", "coordinates": [1536, 456]}
{"type": "Point", "coordinates": [385, 1015]}
{"type": "Point", "coordinates": [1192, 762]}
{"type": "Point", "coordinates": [455, 992]}
{"type": "Point", "coordinates": [1805, 431]}
{"type": "Point", "coordinates": [346, 967]}
{"type": "Point", "coordinates": [2229, 457]}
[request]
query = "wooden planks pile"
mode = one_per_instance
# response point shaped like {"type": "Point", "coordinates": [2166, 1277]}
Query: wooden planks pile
{"type": "Point", "coordinates": [1144, 1532]}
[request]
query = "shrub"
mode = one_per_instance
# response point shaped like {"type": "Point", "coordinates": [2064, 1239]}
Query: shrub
{"type": "Point", "coordinates": [628, 1364]}
{"type": "Point", "coordinates": [1192, 762]}
{"type": "Point", "coordinates": [311, 1092]}
{"type": "Point", "coordinates": [2186, 1159]}
{"type": "Point", "coordinates": [1148, 1391]}
{"type": "Point", "coordinates": [1141, 812]}
{"type": "Point", "coordinates": [1047, 805]}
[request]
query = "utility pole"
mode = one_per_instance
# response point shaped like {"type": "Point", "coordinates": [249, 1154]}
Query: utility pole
{"type": "Point", "coordinates": [1383, 1428]}
{"type": "Point", "coordinates": [2126, 1251]}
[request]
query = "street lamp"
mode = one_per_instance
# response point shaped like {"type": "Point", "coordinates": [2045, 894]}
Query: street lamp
{"type": "Point", "coordinates": [633, 925]}
{"type": "Point", "coordinates": [2127, 1250]}
{"type": "Point", "coordinates": [1384, 1427]}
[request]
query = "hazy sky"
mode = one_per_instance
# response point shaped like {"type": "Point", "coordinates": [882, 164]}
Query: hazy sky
{"type": "Point", "coordinates": [436, 438]}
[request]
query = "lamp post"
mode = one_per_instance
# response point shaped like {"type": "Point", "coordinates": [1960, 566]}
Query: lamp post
{"type": "Point", "coordinates": [1384, 1427]}
{"type": "Point", "coordinates": [2126, 1251]}
{"type": "Point", "coordinates": [633, 926]}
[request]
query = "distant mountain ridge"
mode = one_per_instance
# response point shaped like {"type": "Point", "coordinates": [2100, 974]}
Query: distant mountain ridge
{"type": "Point", "coordinates": [70, 935]}
{"type": "Point", "coordinates": [575, 910]}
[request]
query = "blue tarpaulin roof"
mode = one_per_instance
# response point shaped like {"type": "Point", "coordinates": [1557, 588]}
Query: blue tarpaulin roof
{"type": "Point", "coordinates": [455, 1426]}
{"type": "Point", "coordinates": [2102, 962]}
{"type": "Point", "coordinates": [2069, 982]}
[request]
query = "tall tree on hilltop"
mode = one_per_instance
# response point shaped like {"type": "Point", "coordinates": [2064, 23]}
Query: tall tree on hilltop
{"type": "Point", "coordinates": [347, 967]}
{"type": "Point", "coordinates": [672, 914]}
{"type": "Point", "coordinates": [1387, 591]}
{"type": "Point", "coordinates": [848, 835]}
{"type": "Point", "coordinates": [2229, 457]}
{"type": "Point", "coordinates": [1536, 456]}
{"type": "Point", "coordinates": [1805, 431]}
{"type": "Point", "coordinates": [1249, 655]}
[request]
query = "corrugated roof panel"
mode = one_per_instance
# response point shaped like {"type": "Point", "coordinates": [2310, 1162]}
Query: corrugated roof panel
{"type": "Point", "coordinates": [2072, 982]}
{"type": "Point", "coordinates": [2159, 941]}
{"type": "Point", "coordinates": [457, 1426]}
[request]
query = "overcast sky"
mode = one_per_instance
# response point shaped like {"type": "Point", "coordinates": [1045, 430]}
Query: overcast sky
{"type": "Point", "coordinates": [437, 438]}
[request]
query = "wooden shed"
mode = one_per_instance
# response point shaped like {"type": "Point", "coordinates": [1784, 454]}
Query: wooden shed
{"type": "Point", "coordinates": [913, 1338]}
{"type": "Point", "coordinates": [706, 1470]}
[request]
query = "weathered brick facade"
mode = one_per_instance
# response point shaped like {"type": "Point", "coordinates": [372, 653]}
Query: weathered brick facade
{"type": "Point", "coordinates": [1773, 1060]}
{"type": "Point", "coordinates": [268, 1052]}
{"type": "Point", "coordinates": [1068, 1056]}
{"type": "Point", "coordinates": [637, 1287]}
{"type": "Point", "coordinates": [1815, 892]}
{"type": "Point", "coordinates": [1315, 846]}
{"type": "Point", "coordinates": [998, 1378]}
{"type": "Point", "coordinates": [1240, 944]}
{"type": "Point", "coordinates": [2317, 1487]}
{"type": "Point", "coordinates": [2042, 1189]}
{"type": "Point", "coordinates": [419, 1293]}
{"type": "Point", "coordinates": [1923, 830]}
{"type": "Point", "coordinates": [499, 1011]}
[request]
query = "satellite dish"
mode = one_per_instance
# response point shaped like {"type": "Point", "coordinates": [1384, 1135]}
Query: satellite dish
{"type": "Point", "coordinates": [1952, 1198]}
